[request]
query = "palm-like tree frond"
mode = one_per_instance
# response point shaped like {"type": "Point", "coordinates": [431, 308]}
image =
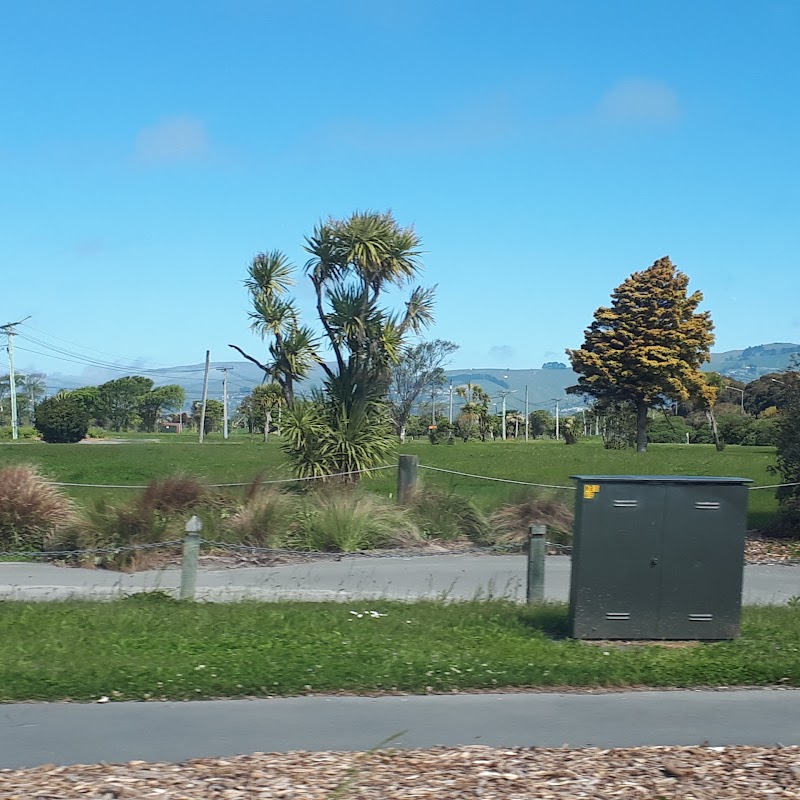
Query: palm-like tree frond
{"type": "Point", "coordinates": [419, 309]}
{"type": "Point", "coordinates": [326, 263]}
{"type": "Point", "coordinates": [392, 339]}
{"type": "Point", "coordinates": [298, 352]}
{"type": "Point", "coordinates": [346, 318]}
{"type": "Point", "coordinates": [270, 274]}
{"type": "Point", "coordinates": [271, 315]}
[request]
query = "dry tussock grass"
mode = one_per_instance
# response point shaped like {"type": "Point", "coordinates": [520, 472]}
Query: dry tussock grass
{"type": "Point", "coordinates": [33, 512]}
{"type": "Point", "coordinates": [511, 521]}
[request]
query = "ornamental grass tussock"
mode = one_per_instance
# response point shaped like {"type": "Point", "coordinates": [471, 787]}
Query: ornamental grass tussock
{"type": "Point", "coordinates": [33, 511]}
{"type": "Point", "coordinates": [510, 523]}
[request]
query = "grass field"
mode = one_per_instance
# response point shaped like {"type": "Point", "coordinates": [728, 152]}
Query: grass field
{"type": "Point", "coordinates": [241, 459]}
{"type": "Point", "coordinates": [146, 647]}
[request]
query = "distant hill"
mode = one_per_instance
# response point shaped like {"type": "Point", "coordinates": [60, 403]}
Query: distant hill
{"type": "Point", "coordinates": [544, 385]}
{"type": "Point", "coordinates": [748, 364]}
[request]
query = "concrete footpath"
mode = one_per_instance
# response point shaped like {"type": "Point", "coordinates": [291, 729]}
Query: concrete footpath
{"type": "Point", "coordinates": [349, 579]}
{"type": "Point", "coordinates": [61, 733]}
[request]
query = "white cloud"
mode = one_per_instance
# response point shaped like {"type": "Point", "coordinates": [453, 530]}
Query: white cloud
{"type": "Point", "coordinates": [173, 140]}
{"type": "Point", "coordinates": [639, 101]}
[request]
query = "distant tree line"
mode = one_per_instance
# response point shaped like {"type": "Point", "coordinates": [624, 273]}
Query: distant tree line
{"type": "Point", "coordinates": [123, 404]}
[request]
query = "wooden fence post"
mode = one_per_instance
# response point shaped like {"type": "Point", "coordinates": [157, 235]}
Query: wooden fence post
{"type": "Point", "coordinates": [406, 478]}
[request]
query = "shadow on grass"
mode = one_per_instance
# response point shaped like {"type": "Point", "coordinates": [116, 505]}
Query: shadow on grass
{"type": "Point", "coordinates": [550, 619]}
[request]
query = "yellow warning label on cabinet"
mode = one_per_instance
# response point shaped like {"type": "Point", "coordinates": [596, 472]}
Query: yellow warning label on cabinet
{"type": "Point", "coordinates": [590, 490]}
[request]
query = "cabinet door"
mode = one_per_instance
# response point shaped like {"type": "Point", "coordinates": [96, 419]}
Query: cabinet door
{"type": "Point", "coordinates": [617, 562]}
{"type": "Point", "coordinates": [704, 531]}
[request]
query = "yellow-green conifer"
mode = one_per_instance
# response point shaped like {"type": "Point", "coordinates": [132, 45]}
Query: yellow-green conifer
{"type": "Point", "coordinates": [648, 345]}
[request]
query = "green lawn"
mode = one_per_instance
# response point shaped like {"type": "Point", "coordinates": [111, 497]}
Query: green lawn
{"type": "Point", "coordinates": [241, 458]}
{"type": "Point", "coordinates": [143, 648]}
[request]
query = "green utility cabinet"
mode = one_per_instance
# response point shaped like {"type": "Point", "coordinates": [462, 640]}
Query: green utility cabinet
{"type": "Point", "coordinates": [657, 557]}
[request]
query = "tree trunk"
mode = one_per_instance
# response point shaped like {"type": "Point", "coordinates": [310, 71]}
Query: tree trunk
{"type": "Point", "coordinates": [712, 421]}
{"type": "Point", "coordinates": [267, 423]}
{"type": "Point", "coordinates": [402, 434]}
{"type": "Point", "coordinates": [641, 426]}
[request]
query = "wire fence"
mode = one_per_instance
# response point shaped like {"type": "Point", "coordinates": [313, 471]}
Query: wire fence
{"type": "Point", "coordinates": [90, 551]}
{"type": "Point", "coordinates": [430, 468]}
{"type": "Point", "coordinates": [499, 480]}
{"type": "Point", "coordinates": [233, 485]}
{"type": "Point", "coordinates": [279, 552]}
{"type": "Point", "coordinates": [271, 552]}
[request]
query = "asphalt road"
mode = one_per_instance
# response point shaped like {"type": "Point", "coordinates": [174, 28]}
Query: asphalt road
{"type": "Point", "coordinates": [33, 734]}
{"type": "Point", "coordinates": [350, 578]}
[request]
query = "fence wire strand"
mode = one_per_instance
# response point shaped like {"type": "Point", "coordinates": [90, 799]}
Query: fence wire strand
{"type": "Point", "coordinates": [90, 551]}
{"type": "Point", "coordinates": [275, 481]}
{"type": "Point", "coordinates": [230, 485]}
{"type": "Point", "coordinates": [499, 480]}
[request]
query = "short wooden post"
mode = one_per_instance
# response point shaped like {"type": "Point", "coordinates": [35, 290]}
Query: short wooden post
{"type": "Point", "coordinates": [191, 551]}
{"type": "Point", "coordinates": [537, 545]}
{"type": "Point", "coordinates": [406, 478]}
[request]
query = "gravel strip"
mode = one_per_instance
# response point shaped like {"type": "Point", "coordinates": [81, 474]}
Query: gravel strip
{"type": "Point", "coordinates": [647, 773]}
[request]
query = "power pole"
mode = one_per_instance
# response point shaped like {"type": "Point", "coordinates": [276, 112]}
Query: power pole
{"type": "Point", "coordinates": [205, 397]}
{"type": "Point", "coordinates": [504, 394]}
{"type": "Point", "coordinates": [450, 418]}
{"type": "Point", "coordinates": [224, 371]}
{"type": "Point", "coordinates": [527, 425]}
{"type": "Point", "coordinates": [558, 430]}
{"type": "Point", "coordinates": [9, 331]}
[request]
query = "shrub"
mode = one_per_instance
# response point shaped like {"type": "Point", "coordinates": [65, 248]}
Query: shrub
{"type": "Point", "coordinates": [321, 437]}
{"type": "Point", "coordinates": [666, 429]}
{"type": "Point", "coordinates": [449, 516]}
{"type": "Point", "coordinates": [24, 432]}
{"type": "Point", "coordinates": [788, 466]}
{"type": "Point", "coordinates": [528, 507]}
{"type": "Point", "coordinates": [265, 520]}
{"type": "Point", "coordinates": [175, 493]}
{"type": "Point", "coordinates": [766, 432]}
{"type": "Point", "coordinates": [61, 419]}
{"type": "Point", "coordinates": [33, 512]}
{"type": "Point", "coordinates": [349, 520]}
{"type": "Point", "coordinates": [114, 526]}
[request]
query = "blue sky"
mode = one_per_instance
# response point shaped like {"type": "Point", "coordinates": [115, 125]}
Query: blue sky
{"type": "Point", "coordinates": [543, 150]}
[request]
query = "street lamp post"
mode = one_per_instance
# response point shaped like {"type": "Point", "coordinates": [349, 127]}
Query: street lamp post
{"type": "Point", "coordinates": [737, 389]}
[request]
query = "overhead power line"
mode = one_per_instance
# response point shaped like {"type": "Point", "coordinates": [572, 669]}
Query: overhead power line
{"type": "Point", "coordinates": [84, 347]}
